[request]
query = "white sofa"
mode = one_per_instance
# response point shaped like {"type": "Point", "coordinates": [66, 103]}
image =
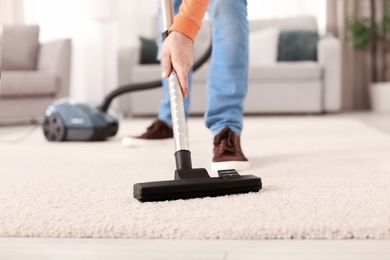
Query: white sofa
{"type": "Point", "coordinates": [286, 87]}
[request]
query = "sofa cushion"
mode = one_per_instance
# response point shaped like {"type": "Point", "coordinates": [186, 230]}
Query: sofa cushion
{"type": "Point", "coordinates": [263, 46]}
{"type": "Point", "coordinates": [285, 71]}
{"type": "Point", "coordinates": [27, 83]}
{"type": "Point", "coordinates": [298, 45]}
{"type": "Point", "coordinates": [20, 47]}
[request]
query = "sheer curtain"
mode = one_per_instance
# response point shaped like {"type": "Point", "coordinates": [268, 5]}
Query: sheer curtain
{"type": "Point", "coordinates": [11, 12]}
{"type": "Point", "coordinates": [266, 9]}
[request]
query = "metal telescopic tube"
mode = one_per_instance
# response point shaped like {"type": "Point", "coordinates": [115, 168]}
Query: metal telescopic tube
{"type": "Point", "coordinates": [179, 125]}
{"type": "Point", "coordinates": [176, 97]}
{"type": "Point", "coordinates": [167, 14]}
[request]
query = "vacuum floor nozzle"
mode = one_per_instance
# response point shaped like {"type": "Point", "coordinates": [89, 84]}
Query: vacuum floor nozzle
{"type": "Point", "coordinates": [196, 183]}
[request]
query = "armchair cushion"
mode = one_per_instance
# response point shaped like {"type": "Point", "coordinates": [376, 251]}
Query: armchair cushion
{"type": "Point", "coordinates": [20, 47]}
{"type": "Point", "coordinates": [263, 46]}
{"type": "Point", "coordinates": [28, 83]}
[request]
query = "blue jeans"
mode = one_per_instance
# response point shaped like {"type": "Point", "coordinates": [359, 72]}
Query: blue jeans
{"type": "Point", "coordinates": [228, 72]}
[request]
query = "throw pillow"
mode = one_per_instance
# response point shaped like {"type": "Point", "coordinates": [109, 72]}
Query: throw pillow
{"type": "Point", "coordinates": [263, 46]}
{"type": "Point", "coordinates": [20, 47]}
{"type": "Point", "coordinates": [148, 51]}
{"type": "Point", "coordinates": [298, 45]}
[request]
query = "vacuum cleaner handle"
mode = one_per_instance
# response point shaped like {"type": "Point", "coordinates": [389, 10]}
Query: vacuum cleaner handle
{"type": "Point", "coordinates": [176, 97]}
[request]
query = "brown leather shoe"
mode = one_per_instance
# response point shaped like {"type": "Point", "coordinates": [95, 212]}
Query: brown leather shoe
{"type": "Point", "coordinates": [158, 133]}
{"type": "Point", "coordinates": [228, 153]}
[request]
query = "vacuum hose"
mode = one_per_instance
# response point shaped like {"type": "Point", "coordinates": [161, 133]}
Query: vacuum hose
{"type": "Point", "coordinates": [148, 85]}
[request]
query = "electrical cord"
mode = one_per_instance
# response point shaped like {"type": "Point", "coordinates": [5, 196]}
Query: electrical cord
{"type": "Point", "coordinates": [23, 137]}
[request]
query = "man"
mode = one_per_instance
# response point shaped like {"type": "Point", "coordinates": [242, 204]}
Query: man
{"type": "Point", "coordinates": [228, 76]}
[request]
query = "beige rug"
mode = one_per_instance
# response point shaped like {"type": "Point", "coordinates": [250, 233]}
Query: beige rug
{"type": "Point", "coordinates": [323, 177]}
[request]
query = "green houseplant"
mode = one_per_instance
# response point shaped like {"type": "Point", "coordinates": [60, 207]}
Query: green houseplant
{"type": "Point", "coordinates": [370, 33]}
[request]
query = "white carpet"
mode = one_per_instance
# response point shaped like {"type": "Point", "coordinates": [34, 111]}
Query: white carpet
{"type": "Point", "coordinates": [322, 178]}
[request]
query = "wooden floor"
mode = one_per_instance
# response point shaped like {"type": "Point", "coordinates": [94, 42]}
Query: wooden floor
{"type": "Point", "coordinates": [101, 249]}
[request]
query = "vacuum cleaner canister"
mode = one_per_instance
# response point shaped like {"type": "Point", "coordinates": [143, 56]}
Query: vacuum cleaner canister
{"type": "Point", "coordinates": [74, 120]}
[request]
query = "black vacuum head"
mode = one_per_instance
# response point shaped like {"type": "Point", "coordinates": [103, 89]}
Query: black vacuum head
{"type": "Point", "coordinates": [73, 120]}
{"type": "Point", "coordinates": [196, 183]}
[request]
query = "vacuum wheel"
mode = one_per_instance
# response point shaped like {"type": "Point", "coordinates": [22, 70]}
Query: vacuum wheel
{"type": "Point", "coordinates": [54, 129]}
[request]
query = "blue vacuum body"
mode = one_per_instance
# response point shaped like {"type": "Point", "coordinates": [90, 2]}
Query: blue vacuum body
{"type": "Point", "coordinates": [75, 120]}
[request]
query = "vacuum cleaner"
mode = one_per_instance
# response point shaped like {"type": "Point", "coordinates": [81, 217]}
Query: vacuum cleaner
{"type": "Point", "coordinates": [75, 120]}
{"type": "Point", "coordinates": [189, 182]}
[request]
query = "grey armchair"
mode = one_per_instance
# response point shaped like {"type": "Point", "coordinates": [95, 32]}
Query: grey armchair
{"type": "Point", "coordinates": [33, 75]}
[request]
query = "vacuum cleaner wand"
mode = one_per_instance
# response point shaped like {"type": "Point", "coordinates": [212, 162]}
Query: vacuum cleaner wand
{"type": "Point", "coordinates": [189, 182]}
{"type": "Point", "coordinates": [179, 126]}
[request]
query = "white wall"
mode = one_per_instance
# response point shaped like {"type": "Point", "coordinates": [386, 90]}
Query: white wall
{"type": "Point", "coordinates": [135, 15]}
{"type": "Point", "coordinates": [136, 18]}
{"type": "Point", "coordinates": [266, 9]}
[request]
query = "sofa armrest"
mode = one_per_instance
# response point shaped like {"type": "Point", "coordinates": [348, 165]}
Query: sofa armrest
{"type": "Point", "coordinates": [330, 58]}
{"type": "Point", "coordinates": [128, 58]}
{"type": "Point", "coordinates": [55, 58]}
{"type": "Point", "coordinates": [1, 49]}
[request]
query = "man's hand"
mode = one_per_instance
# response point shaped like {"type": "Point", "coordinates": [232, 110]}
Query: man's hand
{"type": "Point", "coordinates": [178, 53]}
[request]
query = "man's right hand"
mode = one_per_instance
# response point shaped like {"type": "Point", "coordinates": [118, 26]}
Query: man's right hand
{"type": "Point", "coordinates": [178, 53]}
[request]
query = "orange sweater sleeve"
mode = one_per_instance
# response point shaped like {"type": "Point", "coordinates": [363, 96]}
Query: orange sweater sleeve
{"type": "Point", "coordinates": [189, 19]}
